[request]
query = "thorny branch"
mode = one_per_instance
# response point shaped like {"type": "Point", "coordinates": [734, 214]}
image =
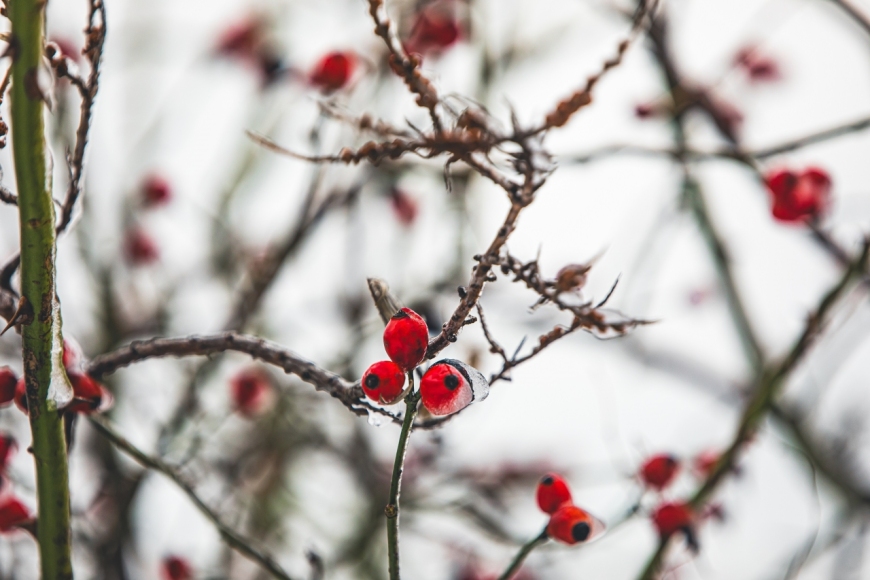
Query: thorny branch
{"type": "Point", "coordinates": [233, 538]}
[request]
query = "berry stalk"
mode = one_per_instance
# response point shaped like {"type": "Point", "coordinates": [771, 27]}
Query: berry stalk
{"type": "Point", "coordinates": [521, 556]}
{"type": "Point", "coordinates": [392, 509]}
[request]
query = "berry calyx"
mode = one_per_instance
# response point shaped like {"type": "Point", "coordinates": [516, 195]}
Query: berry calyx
{"type": "Point", "coordinates": [333, 71]}
{"type": "Point", "coordinates": [659, 471]}
{"type": "Point", "coordinates": [552, 493]}
{"type": "Point", "coordinates": [383, 382]}
{"type": "Point", "coordinates": [8, 380]}
{"type": "Point", "coordinates": [572, 525]}
{"type": "Point", "coordinates": [250, 390]}
{"type": "Point", "coordinates": [798, 196]}
{"type": "Point", "coordinates": [406, 339]}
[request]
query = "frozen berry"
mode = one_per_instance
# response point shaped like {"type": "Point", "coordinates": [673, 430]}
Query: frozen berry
{"type": "Point", "coordinates": [383, 382]}
{"type": "Point", "coordinates": [406, 339]}
{"type": "Point", "coordinates": [572, 525]}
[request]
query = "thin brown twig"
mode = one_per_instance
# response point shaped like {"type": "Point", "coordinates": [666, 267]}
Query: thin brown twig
{"type": "Point", "coordinates": [233, 538]}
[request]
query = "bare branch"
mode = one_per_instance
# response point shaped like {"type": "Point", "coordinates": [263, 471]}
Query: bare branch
{"type": "Point", "coordinates": [234, 539]}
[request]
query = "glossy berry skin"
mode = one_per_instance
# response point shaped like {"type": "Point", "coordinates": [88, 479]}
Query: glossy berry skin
{"type": "Point", "coordinates": [12, 513]}
{"type": "Point", "coordinates": [572, 525]}
{"type": "Point", "coordinates": [156, 190]}
{"type": "Point", "coordinates": [383, 382]}
{"type": "Point", "coordinates": [176, 568]}
{"type": "Point", "coordinates": [552, 493]}
{"type": "Point", "coordinates": [333, 71]}
{"type": "Point", "coordinates": [8, 380]}
{"type": "Point", "coordinates": [88, 395]}
{"type": "Point", "coordinates": [798, 196]}
{"type": "Point", "coordinates": [659, 471]}
{"type": "Point", "coordinates": [406, 339]}
{"type": "Point", "coordinates": [444, 390]}
{"type": "Point", "coordinates": [250, 390]}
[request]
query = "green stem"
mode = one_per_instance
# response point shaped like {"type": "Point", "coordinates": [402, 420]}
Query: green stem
{"type": "Point", "coordinates": [526, 549]}
{"type": "Point", "coordinates": [392, 509]}
{"type": "Point", "coordinates": [37, 221]}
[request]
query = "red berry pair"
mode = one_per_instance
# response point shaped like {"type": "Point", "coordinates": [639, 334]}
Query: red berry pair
{"type": "Point", "coordinates": [406, 339]}
{"type": "Point", "coordinates": [799, 196]}
{"type": "Point", "coordinates": [568, 524]}
{"type": "Point", "coordinates": [659, 471]}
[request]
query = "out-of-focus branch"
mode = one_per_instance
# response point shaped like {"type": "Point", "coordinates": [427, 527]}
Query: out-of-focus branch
{"type": "Point", "coordinates": [233, 538]}
{"type": "Point", "coordinates": [767, 386]}
{"type": "Point", "coordinates": [859, 17]}
{"type": "Point", "coordinates": [350, 394]}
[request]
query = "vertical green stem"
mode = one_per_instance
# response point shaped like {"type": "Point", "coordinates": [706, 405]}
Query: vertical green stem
{"type": "Point", "coordinates": [527, 548]}
{"type": "Point", "coordinates": [37, 219]}
{"type": "Point", "coordinates": [392, 509]}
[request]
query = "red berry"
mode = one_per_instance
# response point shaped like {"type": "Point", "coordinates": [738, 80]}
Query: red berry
{"type": "Point", "coordinates": [404, 206]}
{"type": "Point", "coordinates": [88, 394]}
{"type": "Point", "coordinates": [705, 462]}
{"type": "Point", "coordinates": [798, 196]}
{"type": "Point", "coordinates": [671, 517]}
{"type": "Point", "coordinates": [383, 382]}
{"type": "Point", "coordinates": [552, 493]}
{"type": "Point", "coordinates": [8, 379]}
{"type": "Point", "coordinates": [432, 31]}
{"type": "Point", "coordinates": [71, 355]}
{"type": "Point", "coordinates": [446, 388]}
{"type": "Point", "coordinates": [572, 525]}
{"type": "Point", "coordinates": [156, 190]}
{"type": "Point", "coordinates": [176, 568]}
{"type": "Point", "coordinates": [758, 67]}
{"type": "Point", "coordinates": [242, 39]}
{"type": "Point", "coordinates": [21, 395]}
{"type": "Point", "coordinates": [250, 390]}
{"type": "Point", "coordinates": [406, 339]}
{"type": "Point", "coordinates": [8, 445]}
{"type": "Point", "coordinates": [139, 248]}
{"type": "Point", "coordinates": [12, 513]}
{"type": "Point", "coordinates": [659, 471]}
{"type": "Point", "coordinates": [333, 71]}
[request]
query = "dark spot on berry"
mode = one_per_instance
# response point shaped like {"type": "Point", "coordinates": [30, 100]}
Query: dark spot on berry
{"type": "Point", "coordinates": [451, 382]}
{"type": "Point", "coordinates": [547, 480]}
{"type": "Point", "coordinates": [400, 314]}
{"type": "Point", "coordinates": [372, 381]}
{"type": "Point", "coordinates": [580, 531]}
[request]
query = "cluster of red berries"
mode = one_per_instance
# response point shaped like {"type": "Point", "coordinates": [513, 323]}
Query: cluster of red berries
{"type": "Point", "coordinates": [139, 247]}
{"type": "Point", "coordinates": [568, 524]}
{"type": "Point", "coordinates": [446, 387]}
{"type": "Point", "coordinates": [89, 396]}
{"type": "Point", "coordinates": [798, 196]}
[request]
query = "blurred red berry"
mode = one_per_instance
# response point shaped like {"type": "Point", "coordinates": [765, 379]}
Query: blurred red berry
{"type": "Point", "coordinates": [139, 248]}
{"type": "Point", "coordinates": [176, 568]}
{"type": "Point", "coordinates": [21, 395]}
{"type": "Point", "coordinates": [250, 390]}
{"type": "Point", "coordinates": [798, 196]}
{"type": "Point", "coordinates": [406, 339]}
{"type": "Point", "coordinates": [758, 67]}
{"type": "Point", "coordinates": [433, 30]}
{"type": "Point", "coordinates": [242, 39]}
{"type": "Point", "coordinates": [88, 395]}
{"type": "Point", "coordinates": [705, 462]}
{"type": "Point", "coordinates": [8, 445]}
{"type": "Point", "coordinates": [404, 207]}
{"type": "Point", "coordinates": [673, 517]}
{"type": "Point", "coordinates": [383, 382]}
{"type": "Point", "coordinates": [12, 513]}
{"type": "Point", "coordinates": [659, 471]}
{"type": "Point", "coordinates": [572, 525]}
{"type": "Point", "coordinates": [647, 110]}
{"type": "Point", "coordinates": [70, 354]}
{"type": "Point", "coordinates": [333, 71]}
{"type": "Point", "coordinates": [552, 493]}
{"type": "Point", "coordinates": [8, 379]}
{"type": "Point", "coordinates": [156, 190]}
